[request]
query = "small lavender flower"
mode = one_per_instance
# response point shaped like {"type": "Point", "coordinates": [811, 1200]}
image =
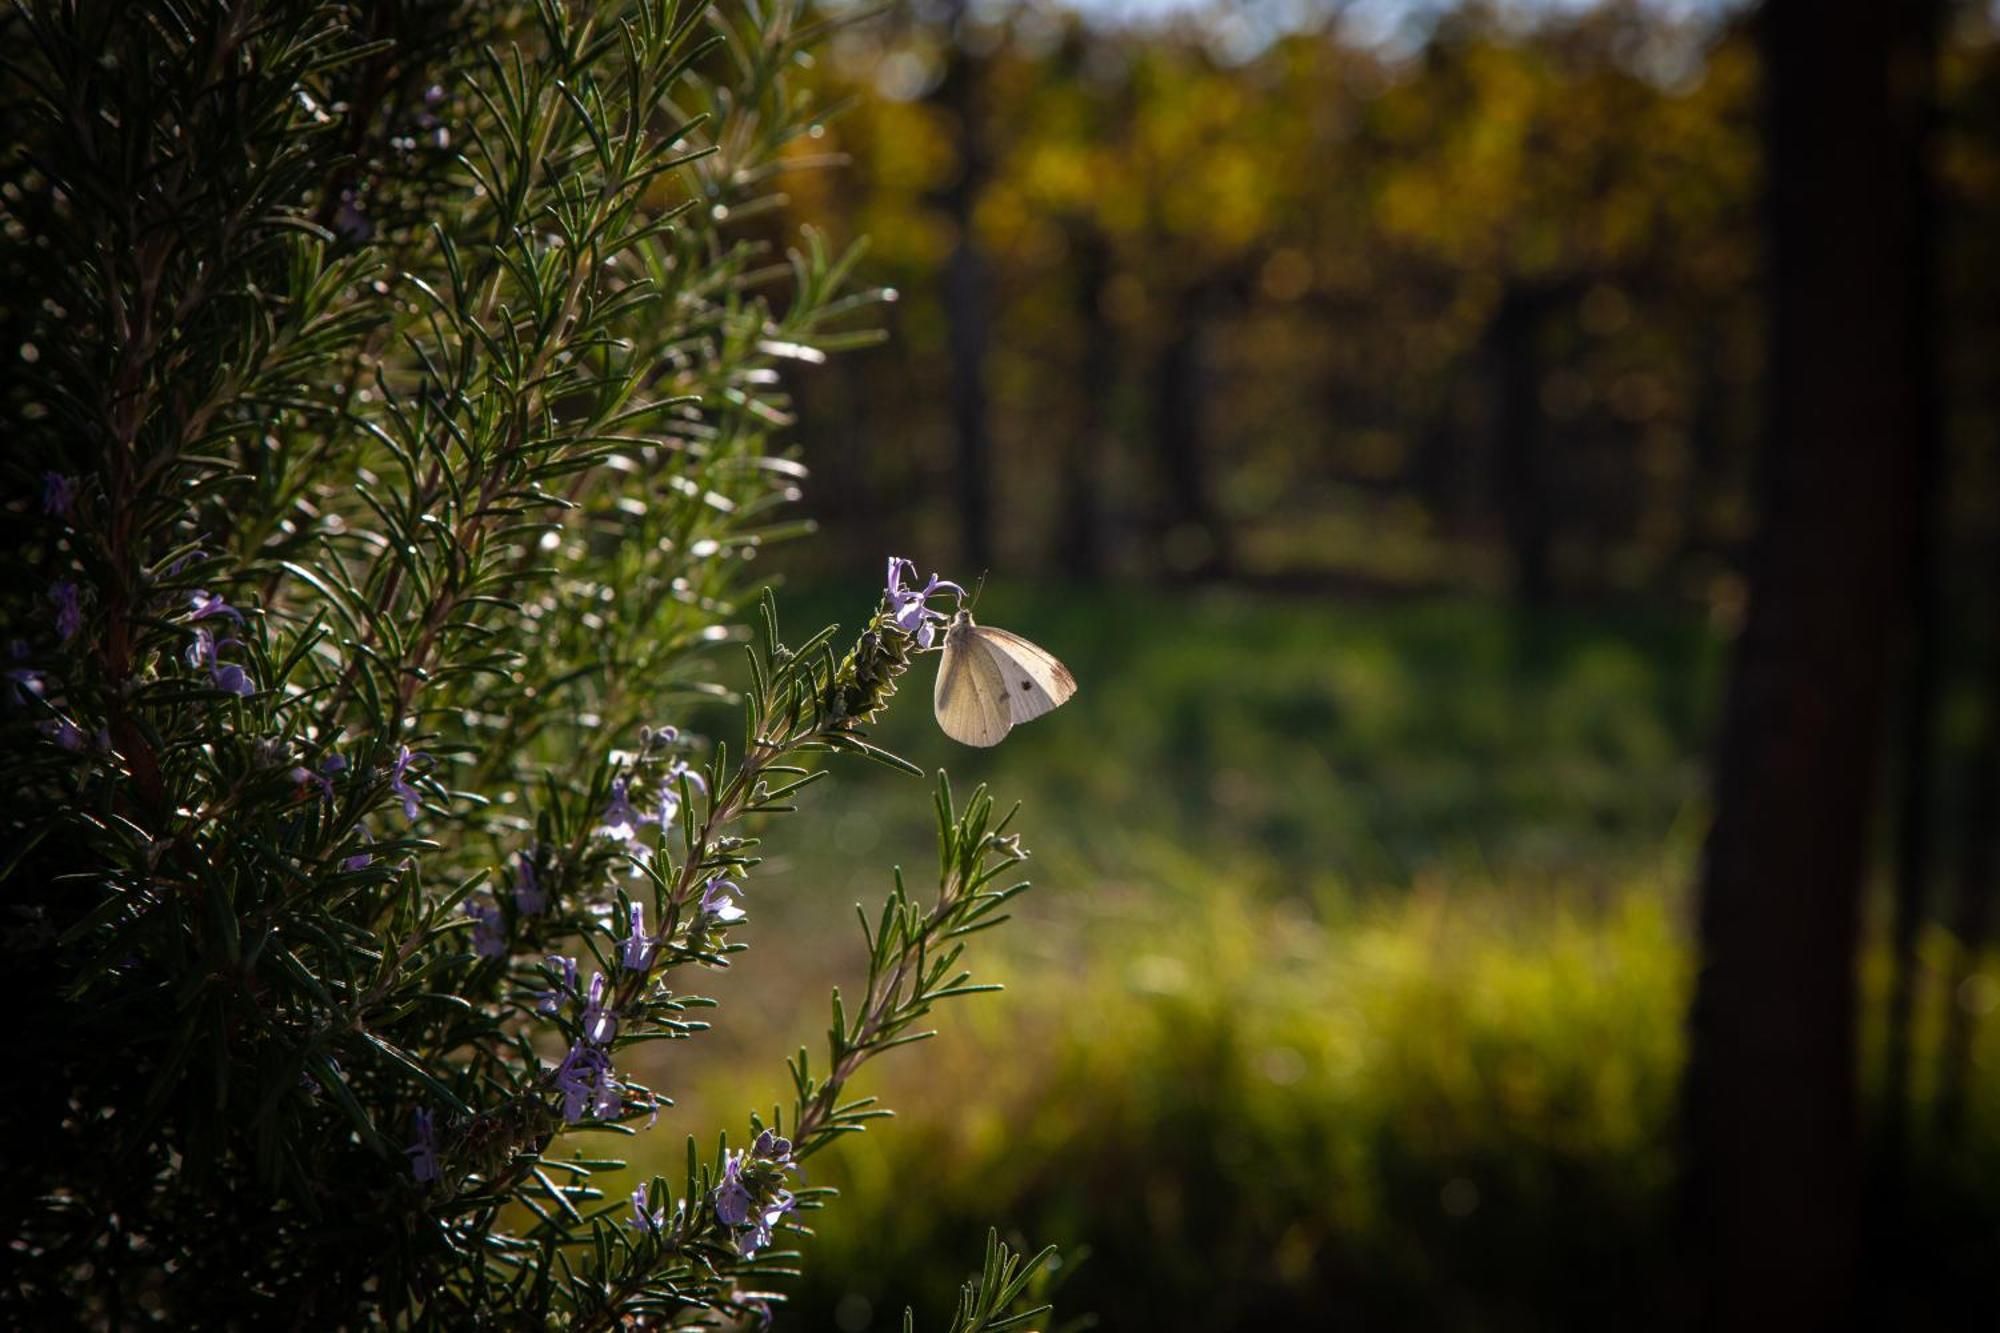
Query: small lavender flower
{"type": "Point", "coordinates": [233, 679]}
{"type": "Point", "coordinates": [489, 932]}
{"type": "Point", "coordinates": [529, 897]}
{"type": "Point", "coordinates": [599, 1023]}
{"type": "Point", "coordinates": [909, 607]}
{"type": "Point", "coordinates": [621, 822]}
{"type": "Point", "coordinates": [733, 1200]}
{"type": "Point", "coordinates": [206, 653]}
{"type": "Point", "coordinates": [750, 1193]}
{"type": "Point", "coordinates": [64, 733]}
{"type": "Point", "coordinates": [321, 778]}
{"type": "Point", "coordinates": [670, 789]}
{"type": "Point", "coordinates": [641, 1219]}
{"type": "Point", "coordinates": [399, 781]}
{"type": "Point", "coordinates": [587, 1083]}
{"type": "Point", "coordinates": [773, 1150]}
{"type": "Point", "coordinates": [69, 608]}
{"type": "Point", "coordinates": [423, 1153]}
{"type": "Point", "coordinates": [639, 949]}
{"type": "Point", "coordinates": [718, 902]}
{"type": "Point", "coordinates": [766, 1224]}
{"type": "Point", "coordinates": [58, 494]}
{"type": "Point", "coordinates": [360, 860]}
{"type": "Point", "coordinates": [208, 604]}
{"type": "Point", "coordinates": [564, 971]}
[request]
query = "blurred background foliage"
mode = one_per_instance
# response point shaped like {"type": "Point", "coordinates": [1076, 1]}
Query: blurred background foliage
{"type": "Point", "coordinates": [1354, 993]}
{"type": "Point", "coordinates": [1363, 399]}
{"type": "Point", "coordinates": [1470, 305]}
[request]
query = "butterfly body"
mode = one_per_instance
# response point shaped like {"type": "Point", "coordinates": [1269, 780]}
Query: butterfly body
{"type": "Point", "coordinates": [990, 680]}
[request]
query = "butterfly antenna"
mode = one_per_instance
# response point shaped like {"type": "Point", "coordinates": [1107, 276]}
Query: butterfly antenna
{"type": "Point", "coordinates": [978, 588]}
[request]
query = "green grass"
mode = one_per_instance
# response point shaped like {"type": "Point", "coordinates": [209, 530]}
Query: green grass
{"type": "Point", "coordinates": [1366, 744]}
{"type": "Point", "coordinates": [1430, 1112]}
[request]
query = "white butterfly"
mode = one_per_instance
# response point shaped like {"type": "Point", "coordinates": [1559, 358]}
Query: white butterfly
{"type": "Point", "coordinates": [990, 680]}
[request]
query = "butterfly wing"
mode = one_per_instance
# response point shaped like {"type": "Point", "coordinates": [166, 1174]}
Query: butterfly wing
{"type": "Point", "coordinates": [971, 695]}
{"type": "Point", "coordinates": [1033, 681]}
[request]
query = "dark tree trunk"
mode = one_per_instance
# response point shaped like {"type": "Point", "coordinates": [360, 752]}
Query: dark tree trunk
{"type": "Point", "coordinates": [1705, 454]}
{"type": "Point", "coordinates": [968, 318]}
{"type": "Point", "coordinates": [1520, 486]}
{"type": "Point", "coordinates": [1774, 1186]}
{"type": "Point", "coordinates": [1195, 538]}
{"type": "Point", "coordinates": [1080, 543]}
{"type": "Point", "coordinates": [1914, 76]}
{"type": "Point", "coordinates": [1972, 915]}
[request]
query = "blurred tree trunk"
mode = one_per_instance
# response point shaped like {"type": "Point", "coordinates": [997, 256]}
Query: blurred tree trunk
{"type": "Point", "coordinates": [1080, 544]}
{"type": "Point", "coordinates": [1972, 915]}
{"type": "Point", "coordinates": [1914, 77]}
{"type": "Point", "coordinates": [1706, 452]}
{"type": "Point", "coordinates": [1774, 1184]}
{"type": "Point", "coordinates": [1514, 341]}
{"type": "Point", "coordinates": [1195, 540]}
{"type": "Point", "coordinates": [968, 318]}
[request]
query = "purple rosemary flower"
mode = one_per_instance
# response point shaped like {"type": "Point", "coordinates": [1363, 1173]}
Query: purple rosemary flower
{"type": "Point", "coordinates": [587, 1083]}
{"type": "Point", "coordinates": [64, 733]}
{"type": "Point", "coordinates": [399, 781]}
{"type": "Point", "coordinates": [360, 860]}
{"type": "Point", "coordinates": [718, 902]}
{"type": "Point", "coordinates": [751, 1192]}
{"type": "Point", "coordinates": [641, 1219]}
{"type": "Point", "coordinates": [58, 494]}
{"type": "Point", "coordinates": [621, 822]}
{"type": "Point", "coordinates": [423, 1153]}
{"type": "Point", "coordinates": [670, 788]}
{"type": "Point", "coordinates": [208, 604]}
{"type": "Point", "coordinates": [765, 1223]}
{"type": "Point", "coordinates": [599, 1023]}
{"type": "Point", "coordinates": [733, 1200]}
{"type": "Point", "coordinates": [909, 607]}
{"type": "Point", "coordinates": [774, 1150]}
{"type": "Point", "coordinates": [639, 949]}
{"type": "Point", "coordinates": [69, 608]}
{"type": "Point", "coordinates": [563, 970]}
{"type": "Point", "coordinates": [322, 777]}
{"type": "Point", "coordinates": [529, 898]}
{"type": "Point", "coordinates": [227, 676]}
{"type": "Point", "coordinates": [489, 931]}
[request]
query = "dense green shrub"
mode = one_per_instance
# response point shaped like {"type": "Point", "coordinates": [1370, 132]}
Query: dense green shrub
{"type": "Point", "coordinates": [391, 403]}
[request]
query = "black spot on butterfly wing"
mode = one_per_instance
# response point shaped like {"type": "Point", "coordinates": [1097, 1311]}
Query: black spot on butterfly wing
{"type": "Point", "coordinates": [1027, 685]}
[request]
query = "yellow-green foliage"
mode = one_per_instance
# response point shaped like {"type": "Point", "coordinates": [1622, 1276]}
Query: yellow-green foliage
{"type": "Point", "coordinates": [1219, 1104]}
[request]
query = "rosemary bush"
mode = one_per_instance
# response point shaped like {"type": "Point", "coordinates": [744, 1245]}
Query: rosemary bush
{"type": "Point", "coordinates": [391, 402]}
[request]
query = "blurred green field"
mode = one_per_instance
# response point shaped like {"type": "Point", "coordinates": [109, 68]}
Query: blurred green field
{"type": "Point", "coordinates": [1350, 995]}
{"type": "Point", "coordinates": [1311, 742]}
